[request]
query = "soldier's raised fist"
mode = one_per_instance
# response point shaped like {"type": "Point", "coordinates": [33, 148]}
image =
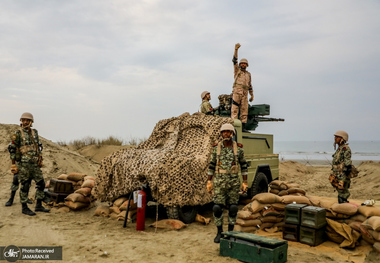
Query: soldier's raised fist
{"type": "Point", "coordinates": [237, 45]}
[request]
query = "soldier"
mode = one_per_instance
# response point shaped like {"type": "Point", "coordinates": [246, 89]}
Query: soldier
{"type": "Point", "coordinates": [206, 107]}
{"type": "Point", "coordinates": [242, 85]}
{"type": "Point", "coordinates": [341, 166]}
{"type": "Point", "coordinates": [225, 158]}
{"type": "Point", "coordinates": [25, 149]}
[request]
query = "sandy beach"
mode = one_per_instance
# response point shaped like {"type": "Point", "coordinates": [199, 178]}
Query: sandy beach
{"type": "Point", "coordinates": [87, 238]}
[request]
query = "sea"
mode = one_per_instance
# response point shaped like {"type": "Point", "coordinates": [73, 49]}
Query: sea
{"type": "Point", "coordinates": [323, 150]}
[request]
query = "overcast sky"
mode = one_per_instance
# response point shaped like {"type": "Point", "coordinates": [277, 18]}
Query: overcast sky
{"type": "Point", "coordinates": [99, 68]}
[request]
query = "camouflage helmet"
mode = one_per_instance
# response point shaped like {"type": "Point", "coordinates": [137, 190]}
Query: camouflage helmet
{"type": "Point", "coordinates": [243, 60]}
{"type": "Point", "coordinates": [27, 115]}
{"type": "Point", "coordinates": [204, 93]}
{"type": "Point", "coordinates": [227, 127]}
{"type": "Point", "coordinates": [342, 134]}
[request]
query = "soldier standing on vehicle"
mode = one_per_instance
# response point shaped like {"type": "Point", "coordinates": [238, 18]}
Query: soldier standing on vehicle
{"type": "Point", "coordinates": [206, 107]}
{"type": "Point", "coordinates": [225, 158]}
{"type": "Point", "coordinates": [242, 85]}
{"type": "Point", "coordinates": [25, 152]}
{"type": "Point", "coordinates": [341, 166]}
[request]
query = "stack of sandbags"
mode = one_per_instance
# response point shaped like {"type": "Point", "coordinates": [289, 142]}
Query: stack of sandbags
{"type": "Point", "coordinates": [265, 211]}
{"type": "Point", "coordinates": [370, 230]}
{"type": "Point", "coordinates": [282, 188]}
{"type": "Point", "coordinates": [81, 197]}
{"type": "Point", "coordinates": [118, 210]}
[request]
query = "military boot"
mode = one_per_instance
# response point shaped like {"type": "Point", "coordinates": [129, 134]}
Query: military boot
{"type": "Point", "coordinates": [231, 227]}
{"type": "Point", "coordinates": [40, 208]}
{"type": "Point", "coordinates": [10, 201]}
{"type": "Point", "coordinates": [27, 211]}
{"type": "Point", "coordinates": [219, 234]}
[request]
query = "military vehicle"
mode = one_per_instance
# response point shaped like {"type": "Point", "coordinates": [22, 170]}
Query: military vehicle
{"type": "Point", "coordinates": [258, 150]}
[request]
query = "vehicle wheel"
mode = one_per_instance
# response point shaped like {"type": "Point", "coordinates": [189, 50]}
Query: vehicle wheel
{"type": "Point", "coordinates": [186, 214]}
{"type": "Point", "coordinates": [260, 185]}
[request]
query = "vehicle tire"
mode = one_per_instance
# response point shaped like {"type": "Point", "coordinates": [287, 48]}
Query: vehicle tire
{"type": "Point", "coordinates": [259, 185]}
{"type": "Point", "coordinates": [186, 214]}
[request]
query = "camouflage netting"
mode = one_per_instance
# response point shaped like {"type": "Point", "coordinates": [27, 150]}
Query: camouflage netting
{"type": "Point", "coordinates": [173, 161]}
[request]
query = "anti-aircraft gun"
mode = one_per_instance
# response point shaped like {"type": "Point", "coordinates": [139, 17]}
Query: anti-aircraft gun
{"type": "Point", "coordinates": [256, 113]}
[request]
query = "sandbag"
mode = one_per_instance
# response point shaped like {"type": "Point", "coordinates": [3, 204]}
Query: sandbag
{"type": "Point", "coordinates": [334, 215]}
{"type": "Point", "coordinates": [118, 202]}
{"type": "Point", "coordinates": [355, 225]}
{"type": "Point", "coordinates": [296, 190]}
{"type": "Point", "coordinates": [314, 201]}
{"type": "Point", "coordinates": [345, 208]}
{"type": "Point", "coordinates": [274, 191]}
{"type": "Point", "coordinates": [327, 204]}
{"type": "Point", "coordinates": [173, 224]}
{"type": "Point", "coordinates": [102, 210]}
{"type": "Point", "coordinates": [121, 215]}
{"type": "Point", "coordinates": [88, 177]}
{"type": "Point", "coordinates": [202, 219]}
{"type": "Point", "coordinates": [372, 223]}
{"type": "Point", "coordinates": [115, 209]}
{"type": "Point", "coordinates": [88, 183]}
{"type": "Point", "coordinates": [124, 205]}
{"type": "Point", "coordinates": [271, 212]}
{"type": "Point", "coordinates": [369, 211]}
{"type": "Point", "coordinates": [76, 197]}
{"type": "Point", "coordinates": [63, 209]}
{"type": "Point", "coordinates": [350, 235]}
{"type": "Point", "coordinates": [255, 206]}
{"type": "Point", "coordinates": [62, 177]}
{"type": "Point", "coordinates": [267, 198]}
{"type": "Point", "coordinates": [288, 199]}
{"type": "Point", "coordinates": [366, 235]}
{"type": "Point", "coordinates": [75, 176]}
{"type": "Point", "coordinates": [266, 225]}
{"type": "Point", "coordinates": [114, 215]}
{"type": "Point", "coordinates": [85, 191]}
{"type": "Point", "coordinates": [279, 206]}
{"type": "Point", "coordinates": [375, 234]}
{"type": "Point", "coordinates": [248, 214]}
{"type": "Point", "coordinates": [292, 185]}
{"type": "Point", "coordinates": [283, 192]}
{"type": "Point", "coordinates": [246, 229]}
{"type": "Point", "coordinates": [248, 222]}
{"type": "Point", "coordinates": [76, 205]}
{"type": "Point", "coordinates": [359, 217]}
{"type": "Point", "coordinates": [271, 219]}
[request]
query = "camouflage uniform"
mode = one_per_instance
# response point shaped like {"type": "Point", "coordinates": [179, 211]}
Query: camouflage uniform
{"type": "Point", "coordinates": [226, 182]}
{"type": "Point", "coordinates": [341, 165]}
{"type": "Point", "coordinates": [242, 85]}
{"type": "Point", "coordinates": [206, 107]}
{"type": "Point", "coordinates": [26, 151]}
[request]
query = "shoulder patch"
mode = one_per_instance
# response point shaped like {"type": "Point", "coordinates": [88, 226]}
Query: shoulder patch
{"type": "Point", "coordinates": [240, 145]}
{"type": "Point", "coordinates": [14, 137]}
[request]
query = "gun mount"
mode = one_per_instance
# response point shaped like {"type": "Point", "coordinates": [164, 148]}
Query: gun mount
{"type": "Point", "coordinates": [256, 113]}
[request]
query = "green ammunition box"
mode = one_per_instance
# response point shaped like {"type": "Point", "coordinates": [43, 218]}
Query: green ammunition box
{"type": "Point", "coordinates": [293, 213]}
{"type": "Point", "coordinates": [313, 217]}
{"type": "Point", "coordinates": [311, 236]}
{"type": "Point", "coordinates": [253, 248]}
{"type": "Point", "coordinates": [291, 232]}
{"type": "Point", "coordinates": [60, 186]}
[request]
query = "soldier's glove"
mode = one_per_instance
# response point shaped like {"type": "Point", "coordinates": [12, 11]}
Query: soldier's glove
{"type": "Point", "coordinates": [209, 186]}
{"type": "Point", "coordinates": [341, 185]}
{"type": "Point", "coordinates": [244, 187]}
{"type": "Point", "coordinates": [14, 169]}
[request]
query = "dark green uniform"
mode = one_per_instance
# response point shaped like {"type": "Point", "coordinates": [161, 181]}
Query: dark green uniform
{"type": "Point", "coordinates": [341, 167]}
{"type": "Point", "coordinates": [25, 151]}
{"type": "Point", "coordinates": [226, 179]}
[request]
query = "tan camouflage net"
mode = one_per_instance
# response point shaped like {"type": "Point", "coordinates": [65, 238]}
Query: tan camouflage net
{"type": "Point", "coordinates": [173, 161]}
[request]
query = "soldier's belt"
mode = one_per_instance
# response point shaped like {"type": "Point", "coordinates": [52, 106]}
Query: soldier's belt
{"type": "Point", "coordinates": [241, 86]}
